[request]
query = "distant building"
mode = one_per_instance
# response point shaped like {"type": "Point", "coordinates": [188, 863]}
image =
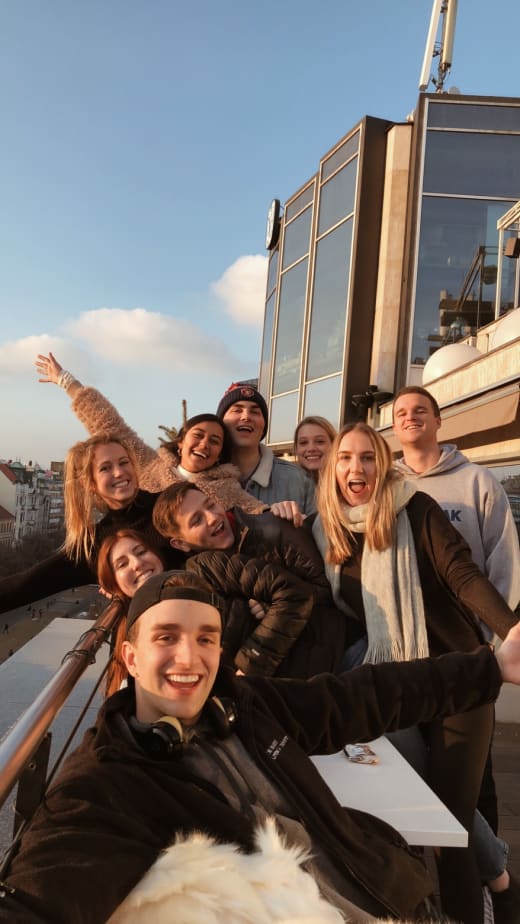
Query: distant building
{"type": "Point", "coordinates": [8, 481]}
{"type": "Point", "coordinates": [32, 497]}
{"type": "Point", "coordinates": [6, 527]}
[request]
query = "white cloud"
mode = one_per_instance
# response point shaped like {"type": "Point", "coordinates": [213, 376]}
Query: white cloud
{"type": "Point", "coordinates": [241, 288]}
{"type": "Point", "coordinates": [18, 356]}
{"type": "Point", "coordinates": [150, 338]}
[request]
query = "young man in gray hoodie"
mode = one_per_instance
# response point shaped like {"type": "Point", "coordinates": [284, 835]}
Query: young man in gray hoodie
{"type": "Point", "coordinates": [477, 505]}
{"type": "Point", "coordinates": [471, 497]}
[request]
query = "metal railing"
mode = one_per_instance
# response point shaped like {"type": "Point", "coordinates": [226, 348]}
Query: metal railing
{"type": "Point", "coordinates": [25, 737]}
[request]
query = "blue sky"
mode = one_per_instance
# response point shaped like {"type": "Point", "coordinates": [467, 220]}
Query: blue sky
{"type": "Point", "coordinates": [141, 145]}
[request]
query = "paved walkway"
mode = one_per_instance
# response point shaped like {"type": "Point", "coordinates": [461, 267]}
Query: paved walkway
{"type": "Point", "coordinates": [27, 621]}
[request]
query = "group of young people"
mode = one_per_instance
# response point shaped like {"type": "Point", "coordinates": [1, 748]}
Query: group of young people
{"type": "Point", "coordinates": [243, 576]}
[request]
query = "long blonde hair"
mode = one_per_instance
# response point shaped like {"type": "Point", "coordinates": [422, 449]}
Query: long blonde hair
{"type": "Point", "coordinates": [380, 515]}
{"type": "Point", "coordinates": [81, 500]}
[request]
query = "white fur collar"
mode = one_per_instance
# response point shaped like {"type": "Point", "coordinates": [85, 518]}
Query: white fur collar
{"type": "Point", "coordinates": [198, 881]}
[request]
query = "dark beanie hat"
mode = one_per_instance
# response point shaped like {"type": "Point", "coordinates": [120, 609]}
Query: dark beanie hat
{"type": "Point", "coordinates": [158, 588]}
{"type": "Point", "coordinates": [241, 391]}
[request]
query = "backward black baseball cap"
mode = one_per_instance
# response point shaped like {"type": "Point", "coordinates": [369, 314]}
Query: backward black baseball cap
{"type": "Point", "coordinates": [167, 586]}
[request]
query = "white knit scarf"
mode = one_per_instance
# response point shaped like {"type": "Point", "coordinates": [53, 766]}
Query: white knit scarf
{"type": "Point", "coordinates": [390, 584]}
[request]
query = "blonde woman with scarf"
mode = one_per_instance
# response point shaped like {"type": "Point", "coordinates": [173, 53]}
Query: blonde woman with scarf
{"type": "Point", "coordinates": [406, 582]}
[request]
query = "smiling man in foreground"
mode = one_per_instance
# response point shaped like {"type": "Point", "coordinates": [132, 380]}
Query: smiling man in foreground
{"type": "Point", "coordinates": [193, 755]}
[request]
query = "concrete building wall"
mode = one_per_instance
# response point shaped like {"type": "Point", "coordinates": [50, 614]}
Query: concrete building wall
{"type": "Point", "coordinates": [391, 257]}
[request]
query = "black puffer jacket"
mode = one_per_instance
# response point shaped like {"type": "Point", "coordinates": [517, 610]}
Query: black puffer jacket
{"type": "Point", "coordinates": [256, 646]}
{"type": "Point", "coordinates": [321, 645]}
{"type": "Point", "coordinates": [266, 536]}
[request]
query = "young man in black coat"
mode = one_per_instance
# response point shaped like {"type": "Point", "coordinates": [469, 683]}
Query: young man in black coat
{"type": "Point", "coordinates": [193, 522]}
{"type": "Point", "coordinates": [190, 748]}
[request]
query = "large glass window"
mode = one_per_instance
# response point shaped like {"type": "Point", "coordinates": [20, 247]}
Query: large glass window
{"type": "Point", "coordinates": [343, 153]}
{"type": "Point", "coordinates": [283, 418]}
{"type": "Point", "coordinates": [473, 115]}
{"type": "Point", "coordinates": [454, 232]}
{"type": "Point", "coordinates": [296, 238]}
{"type": "Point", "coordinates": [472, 164]}
{"type": "Point", "coordinates": [337, 196]}
{"type": "Point", "coordinates": [267, 346]}
{"type": "Point", "coordinates": [290, 329]}
{"type": "Point", "coordinates": [324, 398]}
{"type": "Point", "coordinates": [273, 269]}
{"type": "Point", "coordinates": [329, 302]}
{"type": "Point", "coordinates": [300, 202]}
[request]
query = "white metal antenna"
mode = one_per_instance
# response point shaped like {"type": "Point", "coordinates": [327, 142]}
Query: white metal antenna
{"type": "Point", "coordinates": [443, 49]}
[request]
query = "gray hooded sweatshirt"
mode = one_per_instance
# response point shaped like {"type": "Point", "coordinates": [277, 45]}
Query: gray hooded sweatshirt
{"type": "Point", "coordinates": [477, 506]}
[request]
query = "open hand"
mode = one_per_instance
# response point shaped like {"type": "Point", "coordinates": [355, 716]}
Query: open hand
{"type": "Point", "coordinates": [288, 510]}
{"type": "Point", "coordinates": [48, 368]}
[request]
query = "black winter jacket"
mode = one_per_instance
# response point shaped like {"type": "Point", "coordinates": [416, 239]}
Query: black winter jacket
{"type": "Point", "coordinates": [252, 645]}
{"type": "Point", "coordinates": [266, 536]}
{"type": "Point", "coordinates": [322, 641]}
{"type": "Point", "coordinates": [113, 809]}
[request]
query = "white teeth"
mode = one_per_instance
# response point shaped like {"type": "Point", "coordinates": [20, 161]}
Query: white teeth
{"type": "Point", "coordinates": [183, 678]}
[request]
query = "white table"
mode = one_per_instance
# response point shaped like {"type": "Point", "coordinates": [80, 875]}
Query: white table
{"type": "Point", "coordinates": [393, 791]}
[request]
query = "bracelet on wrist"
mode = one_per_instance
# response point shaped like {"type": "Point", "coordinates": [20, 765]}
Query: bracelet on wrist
{"type": "Point", "coordinates": [65, 379]}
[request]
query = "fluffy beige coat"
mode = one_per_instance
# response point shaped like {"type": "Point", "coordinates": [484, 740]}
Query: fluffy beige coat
{"type": "Point", "coordinates": [157, 468]}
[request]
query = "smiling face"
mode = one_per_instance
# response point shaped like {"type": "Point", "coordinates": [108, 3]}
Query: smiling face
{"type": "Point", "coordinates": [415, 422]}
{"type": "Point", "coordinates": [201, 523]}
{"type": "Point", "coordinates": [174, 658]}
{"type": "Point", "coordinates": [132, 564]}
{"type": "Point", "coordinates": [113, 477]}
{"type": "Point", "coordinates": [356, 468]}
{"type": "Point", "coordinates": [201, 447]}
{"type": "Point", "coordinates": [245, 424]}
{"type": "Point", "coordinates": [312, 447]}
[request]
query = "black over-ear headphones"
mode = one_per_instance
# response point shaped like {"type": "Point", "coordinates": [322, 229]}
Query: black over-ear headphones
{"type": "Point", "coordinates": [163, 740]}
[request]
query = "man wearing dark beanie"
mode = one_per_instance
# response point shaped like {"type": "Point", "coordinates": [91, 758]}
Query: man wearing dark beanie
{"type": "Point", "coordinates": [200, 781]}
{"type": "Point", "coordinates": [243, 410]}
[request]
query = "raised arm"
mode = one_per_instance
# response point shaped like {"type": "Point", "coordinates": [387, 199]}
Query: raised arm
{"type": "Point", "coordinates": [50, 370]}
{"type": "Point", "coordinates": [95, 412]}
{"type": "Point", "coordinates": [47, 577]}
{"type": "Point", "coordinates": [460, 573]}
